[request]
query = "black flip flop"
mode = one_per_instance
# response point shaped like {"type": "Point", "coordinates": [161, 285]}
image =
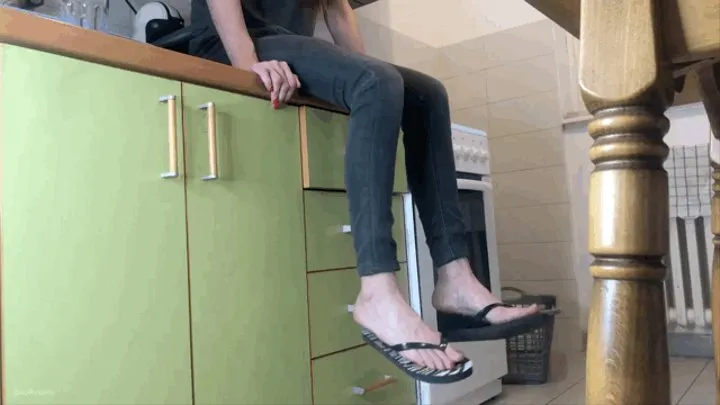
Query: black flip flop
{"type": "Point", "coordinates": [478, 328]}
{"type": "Point", "coordinates": [461, 371]}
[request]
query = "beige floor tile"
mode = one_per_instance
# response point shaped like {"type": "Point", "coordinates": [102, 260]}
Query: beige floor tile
{"type": "Point", "coordinates": [573, 396]}
{"type": "Point", "coordinates": [529, 395]}
{"type": "Point", "coordinates": [683, 371]}
{"type": "Point", "coordinates": [702, 391]}
{"type": "Point", "coordinates": [566, 372]}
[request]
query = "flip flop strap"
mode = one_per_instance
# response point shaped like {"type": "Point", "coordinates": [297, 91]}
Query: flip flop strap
{"type": "Point", "coordinates": [482, 315]}
{"type": "Point", "coordinates": [420, 346]}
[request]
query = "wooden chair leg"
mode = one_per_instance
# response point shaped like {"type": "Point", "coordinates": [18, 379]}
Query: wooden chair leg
{"type": "Point", "coordinates": [625, 87]}
{"type": "Point", "coordinates": [709, 78]}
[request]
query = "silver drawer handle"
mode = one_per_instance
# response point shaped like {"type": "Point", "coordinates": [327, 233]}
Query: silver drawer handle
{"type": "Point", "coordinates": [346, 229]}
{"type": "Point", "coordinates": [384, 382]}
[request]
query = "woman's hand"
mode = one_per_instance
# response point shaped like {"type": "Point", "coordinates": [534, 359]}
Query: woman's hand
{"type": "Point", "coordinates": [230, 23]}
{"type": "Point", "coordinates": [278, 79]}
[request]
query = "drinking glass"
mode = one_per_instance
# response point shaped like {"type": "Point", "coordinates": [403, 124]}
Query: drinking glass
{"type": "Point", "coordinates": [92, 14]}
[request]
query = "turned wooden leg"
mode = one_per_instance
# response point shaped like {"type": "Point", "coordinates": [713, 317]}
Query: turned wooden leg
{"type": "Point", "coordinates": [627, 91]}
{"type": "Point", "coordinates": [709, 78]}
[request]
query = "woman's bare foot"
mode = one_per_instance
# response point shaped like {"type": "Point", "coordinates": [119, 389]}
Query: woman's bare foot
{"type": "Point", "coordinates": [381, 308]}
{"type": "Point", "coordinates": [458, 291]}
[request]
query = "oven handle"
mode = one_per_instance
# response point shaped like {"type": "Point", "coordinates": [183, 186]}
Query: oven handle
{"type": "Point", "coordinates": [475, 185]}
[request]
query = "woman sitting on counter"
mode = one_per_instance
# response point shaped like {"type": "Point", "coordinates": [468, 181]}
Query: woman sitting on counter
{"type": "Point", "coordinates": [274, 39]}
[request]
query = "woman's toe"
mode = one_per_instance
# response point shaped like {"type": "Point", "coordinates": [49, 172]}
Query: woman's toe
{"type": "Point", "coordinates": [454, 355]}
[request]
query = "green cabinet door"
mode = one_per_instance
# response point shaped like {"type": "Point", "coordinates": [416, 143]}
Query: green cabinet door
{"type": "Point", "coordinates": [326, 136]}
{"type": "Point", "coordinates": [247, 252]}
{"type": "Point", "coordinates": [94, 262]}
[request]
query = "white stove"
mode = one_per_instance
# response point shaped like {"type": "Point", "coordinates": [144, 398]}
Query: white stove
{"type": "Point", "coordinates": [472, 154]}
{"type": "Point", "coordinates": [472, 161]}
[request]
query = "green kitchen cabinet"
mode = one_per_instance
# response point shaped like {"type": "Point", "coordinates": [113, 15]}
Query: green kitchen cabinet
{"type": "Point", "coordinates": [94, 253]}
{"type": "Point", "coordinates": [247, 250]}
{"type": "Point", "coordinates": [329, 234]}
{"type": "Point", "coordinates": [360, 376]}
{"type": "Point", "coordinates": [331, 296]}
{"type": "Point", "coordinates": [325, 135]}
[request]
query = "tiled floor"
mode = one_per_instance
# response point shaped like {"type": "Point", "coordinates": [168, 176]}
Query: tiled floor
{"type": "Point", "coordinates": [692, 384]}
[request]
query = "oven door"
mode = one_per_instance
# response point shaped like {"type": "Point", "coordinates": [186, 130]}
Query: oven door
{"type": "Point", "coordinates": [476, 203]}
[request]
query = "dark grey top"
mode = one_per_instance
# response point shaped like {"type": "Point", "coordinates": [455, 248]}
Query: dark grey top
{"type": "Point", "coordinates": [262, 16]}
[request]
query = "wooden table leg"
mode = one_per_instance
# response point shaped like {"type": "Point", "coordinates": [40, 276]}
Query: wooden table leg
{"type": "Point", "coordinates": [709, 78]}
{"type": "Point", "coordinates": [627, 90]}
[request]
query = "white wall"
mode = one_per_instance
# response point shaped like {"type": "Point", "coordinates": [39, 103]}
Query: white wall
{"type": "Point", "coordinates": [440, 23]}
{"type": "Point", "coordinates": [689, 126]}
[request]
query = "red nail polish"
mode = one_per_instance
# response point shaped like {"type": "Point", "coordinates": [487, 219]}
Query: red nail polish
{"type": "Point", "coordinates": [276, 104]}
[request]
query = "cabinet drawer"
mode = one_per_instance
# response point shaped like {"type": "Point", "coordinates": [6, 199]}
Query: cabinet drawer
{"type": "Point", "coordinates": [328, 231]}
{"type": "Point", "coordinates": [340, 379]}
{"type": "Point", "coordinates": [331, 296]}
{"type": "Point", "coordinates": [323, 136]}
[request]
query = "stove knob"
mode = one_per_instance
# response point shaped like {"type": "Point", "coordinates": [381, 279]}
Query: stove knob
{"type": "Point", "coordinates": [466, 153]}
{"type": "Point", "coordinates": [456, 151]}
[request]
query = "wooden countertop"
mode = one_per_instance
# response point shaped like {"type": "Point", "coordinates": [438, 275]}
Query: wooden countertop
{"type": "Point", "coordinates": [21, 28]}
{"type": "Point", "coordinates": [691, 28]}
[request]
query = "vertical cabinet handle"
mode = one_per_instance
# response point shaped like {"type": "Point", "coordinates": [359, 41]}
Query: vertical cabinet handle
{"type": "Point", "coordinates": [212, 141]}
{"type": "Point", "coordinates": [172, 137]}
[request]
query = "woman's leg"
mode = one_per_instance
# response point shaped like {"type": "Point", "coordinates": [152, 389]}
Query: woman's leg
{"type": "Point", "coordinates": [381, 97]}
{"type": "Point", "coordinates": [373, 91]}
{"type": "Point", "coordinates": [431, 175]}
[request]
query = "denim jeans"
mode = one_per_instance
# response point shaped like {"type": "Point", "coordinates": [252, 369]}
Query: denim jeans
{"type": "Point", "coordinates": [382, 98]}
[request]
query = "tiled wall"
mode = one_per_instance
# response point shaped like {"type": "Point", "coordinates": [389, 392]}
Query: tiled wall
{"type": "Point", "coordinates": [509, 88]}
{"type": "Point", "coordinates": [392, 46]}
{"type": "Point", "coordinates": [440, 23]}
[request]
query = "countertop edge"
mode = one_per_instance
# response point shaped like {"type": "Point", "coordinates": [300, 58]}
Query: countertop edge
{"type": "Point", "coordinates": [24, 29]}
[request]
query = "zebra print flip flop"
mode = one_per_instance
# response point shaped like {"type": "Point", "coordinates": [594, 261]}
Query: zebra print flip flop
{"type": "Point", "coordinates": [461, 371]}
